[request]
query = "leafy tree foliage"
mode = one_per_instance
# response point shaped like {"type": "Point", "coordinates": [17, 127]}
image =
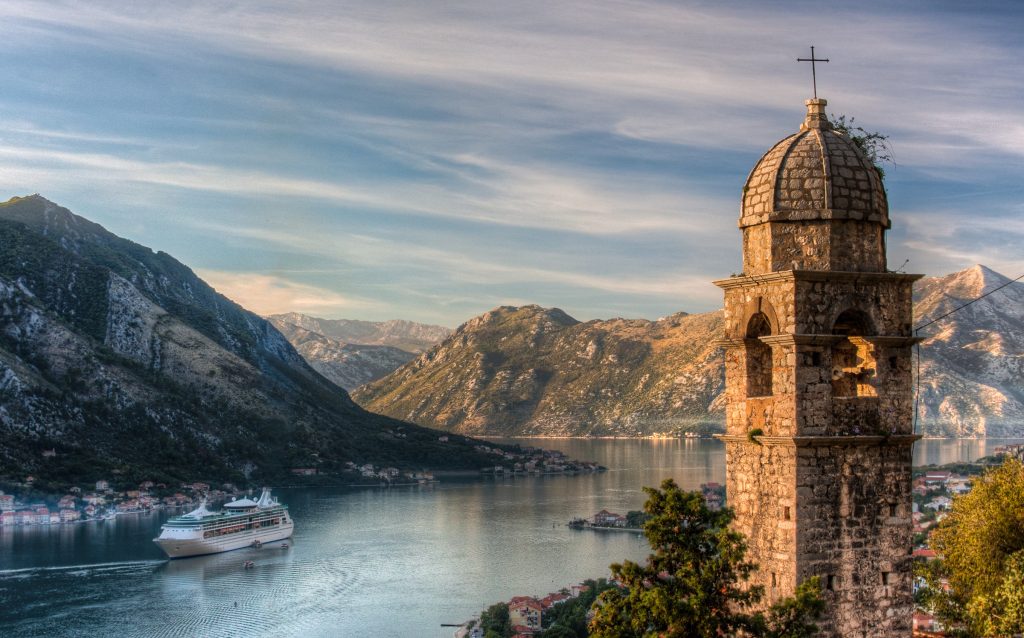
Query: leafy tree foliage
{"type": "Point", "coordinates": [875, 145]}
{"type": "Point", "coordinates": [569, 619]}
{"type": "Point", "coordinates": [982, 544]}
{"type": "Point", "coordinates": [635, 519]}
{"type": "Point", "coordinates": [560, 631]}
{"type": "Point", "coordinates": [693, 585]}
{"type": "Point", "coordinates": [495, 621]}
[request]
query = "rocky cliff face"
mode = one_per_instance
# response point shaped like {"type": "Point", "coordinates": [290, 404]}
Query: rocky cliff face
{"type": "Point", "coordinates": [122, 360]}
{"type": "Point", "coordinates": [532, 370]}
{"type": "Point", "coordinates": [348, 365]}
{"type": "Point", "coordinates": [972, 362]}
{"type": "Point", "coordinates": [397, 333]}
{"type": "Point", "coordinates": [522, 371]}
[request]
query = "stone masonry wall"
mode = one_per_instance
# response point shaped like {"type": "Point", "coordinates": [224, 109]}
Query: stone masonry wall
{"type": "Point", "coordinates": [813, 245]}
{"type": "Point", "coordinates": [761, 485]}
{"type": "Point", "coordinates": [854, 528]}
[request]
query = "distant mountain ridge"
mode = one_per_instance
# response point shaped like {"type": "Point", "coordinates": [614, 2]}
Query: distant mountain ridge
{"type": "Point", "coordinates": [535, 371]}
{"type": "Point", "coordinates": [397, 333]}
{"type": "Point", "coordinates": [347, 365]}
{"type": "Point", "coordinates": [972, 362]}
{"type": "Point", "coordinates": [123, 360]}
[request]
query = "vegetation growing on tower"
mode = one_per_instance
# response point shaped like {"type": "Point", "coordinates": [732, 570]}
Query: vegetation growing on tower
{"type": "Point", "coordinates": [875, 145]}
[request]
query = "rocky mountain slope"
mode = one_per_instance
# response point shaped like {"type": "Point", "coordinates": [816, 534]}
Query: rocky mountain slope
{"type": "Point", "coordinates": [348, 365]}
{"type": "Point", "coordinates": [522, 371]}
{"type": "Point", "coordinates": [972, 362]}
{"type": "Point", "coordinates": [397, 333]}
{"type": "Point", "coordinates": [123, 360]}
{"type": "Point", "coordinates": [533, 370]}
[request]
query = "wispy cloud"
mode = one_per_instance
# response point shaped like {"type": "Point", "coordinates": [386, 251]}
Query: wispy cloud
{"type": "Point", "coordinates": [268, 294]}
{"type": "Point", "coordinates": [461, 153]}
{"type": "Point", "coordinates": [503, 194]}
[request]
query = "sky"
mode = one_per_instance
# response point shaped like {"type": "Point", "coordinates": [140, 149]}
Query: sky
{"type": "Point", "coordinates": [431, 160]}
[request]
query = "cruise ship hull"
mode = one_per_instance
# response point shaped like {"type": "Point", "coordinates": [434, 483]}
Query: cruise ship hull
{"type": "Point", "coordinates": [185, 547]}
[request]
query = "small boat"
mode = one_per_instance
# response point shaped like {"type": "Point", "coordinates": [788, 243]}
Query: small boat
{"type": "Point", "coordinates": [284, 545]}
{"type": "Point", "coordinates": [249, 564]}
{"type": "Point", "coordinates": [257, 544]}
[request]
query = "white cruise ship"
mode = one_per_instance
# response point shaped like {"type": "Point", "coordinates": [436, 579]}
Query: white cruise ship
{"type": "Point", "coordinates": [242, 523]}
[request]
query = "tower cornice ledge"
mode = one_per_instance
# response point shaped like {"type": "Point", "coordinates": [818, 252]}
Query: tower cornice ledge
{"type": "Point", "coordinates": [818, 340]}
{"type": "Point", "coordinates": [826, 340]}
{"type": "Point", "coordinates": [748, 281]}
{"type": "Point", "coordinates": [824, 441]}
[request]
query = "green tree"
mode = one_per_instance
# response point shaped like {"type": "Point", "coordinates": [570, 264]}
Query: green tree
{"type": "Point", "coordinates": [693, 585]}
{"type": "Point", "coordinates": [874, 145]}
{"type": "Point", "coordinates": [982, 545]}
{"type": "Point", "coordinates": [571, 614]}
{"type": "Point", "coordinates": [495, 621]}
{"type": "Point", "coordinates": [559, 631]}
{"type": "Point", "coordinates": [635, 519]}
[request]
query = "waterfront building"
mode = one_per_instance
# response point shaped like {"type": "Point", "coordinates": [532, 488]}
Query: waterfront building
{"type": "Point", "coordinates": [102, 486]}
{"type": "Point", "coordinates": [6, 502]}
{"type": "Point", "coordinates": [818, 336]}
{"type": "Point", "coordinates": [525, 611]}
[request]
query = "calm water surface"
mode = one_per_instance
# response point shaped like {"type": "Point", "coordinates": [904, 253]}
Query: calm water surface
{"type": "Point", "coordinates": [368, 562]}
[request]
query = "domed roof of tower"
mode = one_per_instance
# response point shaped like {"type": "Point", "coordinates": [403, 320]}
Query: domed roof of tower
{"type": "Point", "coordinates": [815, 174]}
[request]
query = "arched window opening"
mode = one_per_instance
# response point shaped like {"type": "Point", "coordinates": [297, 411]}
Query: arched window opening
{"type": "Point", "coordinates": [759, 357]}
{"type": "Point", "coordinates": [853, 358]}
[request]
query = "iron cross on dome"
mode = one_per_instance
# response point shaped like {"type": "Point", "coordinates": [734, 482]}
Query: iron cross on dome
{"type": "Point", "coordinates": [814, 77]}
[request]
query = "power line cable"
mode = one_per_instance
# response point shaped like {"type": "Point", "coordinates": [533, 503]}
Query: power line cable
{"type": "Point", "coordinates": [917, 346]}
{"type": "Point", "coordinates": [959, 308]}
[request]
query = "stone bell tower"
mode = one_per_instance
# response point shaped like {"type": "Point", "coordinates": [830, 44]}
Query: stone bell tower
{"type": "Point", "coordinates": [819, 427]}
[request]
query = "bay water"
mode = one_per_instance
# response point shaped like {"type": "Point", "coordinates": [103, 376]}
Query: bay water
{"type": "Point", "coordinates": [368, 562]}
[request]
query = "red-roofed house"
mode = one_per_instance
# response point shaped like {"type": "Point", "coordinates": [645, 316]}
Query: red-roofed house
{"type": "Point", "coordinates": [525, 611]}
{"type": "Point", "coordinates": [604, 518]}
{"type": "Point", "coordinates": [552, 599]}
{"type": "Point", "coordinates": [926, 554]}
{"type": "Point", "coordinates": [932, 478]}
{"type": "Point", "coordinates": [926, 622]}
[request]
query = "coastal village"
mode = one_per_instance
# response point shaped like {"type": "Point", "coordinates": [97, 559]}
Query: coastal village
{"type": "Point", "coordinates": [934, 491]}
{"type": "Point", "coordinates": [528, 616]}
{"type": "Point", "coordinates": [105, 499]}
{"type": "Point", "coordinates": [531, 460]}
{"type": "Point", "coordinates": [102, 502]}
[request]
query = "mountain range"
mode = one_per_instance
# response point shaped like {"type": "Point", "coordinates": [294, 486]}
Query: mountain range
{"type": "Point", "coordinates": [396, 333]}
{"type": "Point", "coordinates": [972, 361]}
{"type": "Point", "coordinates": [353, 353]}
{"type": "Point", "coordinates": [537, 371]}
{"type": "Point", "coordinates": [119, 360]}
